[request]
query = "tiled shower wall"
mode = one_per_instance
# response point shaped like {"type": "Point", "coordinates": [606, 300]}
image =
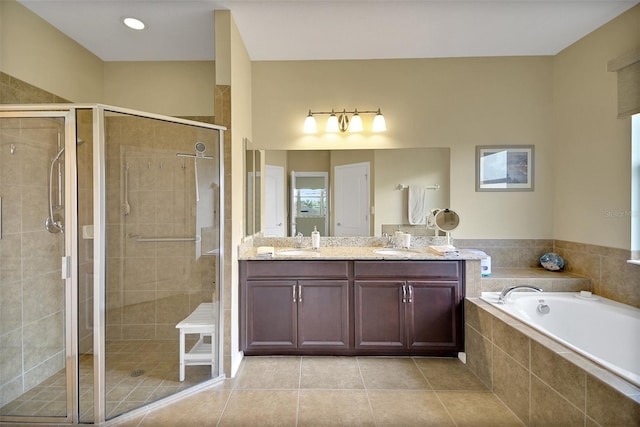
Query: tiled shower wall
{"type": "Point", "coordinates": [129, 304]}
{"type": "Point", "coordinates": [31, 292]}
{"type": "Point", "coordinates": [152, 286]}
{"type": "Point", "coordinates": [29, 270]}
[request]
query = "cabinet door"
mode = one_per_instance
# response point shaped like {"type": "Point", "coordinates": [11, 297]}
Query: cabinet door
{"type": "Point", "coordinates": [433, 310]}
{"type": "Point", "coordinates": [323, 314]}
{"type": "Point", "coordinates": [271, 315]}
{"type": "Point", "coordinates": [379, 314]}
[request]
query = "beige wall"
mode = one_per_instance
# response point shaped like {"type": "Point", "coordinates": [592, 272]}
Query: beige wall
{"type": "Point", "coordinates": [455, 103]}
{"type": "Point", "coordinates": [592, 202]}
{"type": "Point", "coordinates": [37, 53]}
{"type": "Point", "coordinates": [176, 88]}
{"type": "Point", "coordinates": [234, 72]}
{"type": "Point", "coordinates": [29, 45]}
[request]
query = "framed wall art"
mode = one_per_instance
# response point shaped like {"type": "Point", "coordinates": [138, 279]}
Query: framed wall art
{"type": "Point", "coordinates": [504, 167]}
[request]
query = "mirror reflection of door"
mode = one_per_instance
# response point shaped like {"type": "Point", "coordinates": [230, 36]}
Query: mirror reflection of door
{"type": "Point", "coordinates": [351, 200]}
{"type": "Point", "coordinates": [309, 199]}
{"type": "Point", "coordinates": [274, 202]}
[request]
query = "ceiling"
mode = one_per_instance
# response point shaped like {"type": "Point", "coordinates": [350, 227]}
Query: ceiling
{"type": "Point", "coordinates": [182, 30]}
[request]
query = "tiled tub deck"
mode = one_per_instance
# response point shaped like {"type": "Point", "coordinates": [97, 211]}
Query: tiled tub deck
{"type": "Point", "coordinates": [542, 382]}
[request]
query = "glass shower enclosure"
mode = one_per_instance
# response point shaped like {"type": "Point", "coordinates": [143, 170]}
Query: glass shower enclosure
{"type": "Point", "coordinates": [111, 231]}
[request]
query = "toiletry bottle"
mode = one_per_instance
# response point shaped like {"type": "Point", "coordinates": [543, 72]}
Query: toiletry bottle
{"type": "Point", "coordinates": [315, 238]}
{"type": "Point", "coordinates": [397, 241]}
{"type": "Point", "coordinates": [406, 240]}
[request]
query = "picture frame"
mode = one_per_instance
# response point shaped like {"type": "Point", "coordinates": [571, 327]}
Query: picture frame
{"type": "Point", "coordinates": [505, 167]}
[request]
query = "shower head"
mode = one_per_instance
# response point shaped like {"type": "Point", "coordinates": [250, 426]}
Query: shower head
{"type": "Point", "coordinates": [200, 147]}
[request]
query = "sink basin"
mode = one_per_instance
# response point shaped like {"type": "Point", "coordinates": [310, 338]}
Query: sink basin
{"type": "Point", "coordinates": [298, 252]}
{"type": "Point", "coordinates": [394, 252]}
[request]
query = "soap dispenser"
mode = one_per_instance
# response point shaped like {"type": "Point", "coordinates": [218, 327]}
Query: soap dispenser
{"type": "Point", "coordinates": [315, 238]}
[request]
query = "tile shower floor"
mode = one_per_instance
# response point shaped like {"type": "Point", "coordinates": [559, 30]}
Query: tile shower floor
{"type": "Point", "coordinates": [339, 391]}
{"type": "Point", "coordinates": [138, 372]}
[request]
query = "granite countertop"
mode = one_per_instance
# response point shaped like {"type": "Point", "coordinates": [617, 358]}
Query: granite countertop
{"type": "Point", "coordinates": [352, 253]}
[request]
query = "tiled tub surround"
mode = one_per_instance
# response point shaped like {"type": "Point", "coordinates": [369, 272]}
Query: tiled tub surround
{"type": "Point", "coordinates": [607, 268]}
{"type": "Point", "coordinates": [541, 381]}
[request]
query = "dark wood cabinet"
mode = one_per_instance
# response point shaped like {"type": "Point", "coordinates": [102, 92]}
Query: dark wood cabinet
{"type": "Point", "coordinates": [407, 306]}
{"type": "Point", "coordinates": [379, 315]}
{"type": "Point", "coordinates": [285, 316]}
{"type": "Point", "coordinates": [323, 314]}
{"type": "Point", "coordinates": [271, 319]}
{"type": "Point", "coordinates": [434, 316]}
{"type": "Point", "coordinates": [407, 316]}
{"type": "Point", "coordinates": [352, 307]}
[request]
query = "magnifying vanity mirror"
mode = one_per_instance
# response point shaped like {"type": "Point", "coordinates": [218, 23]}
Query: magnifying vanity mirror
{"type": "Point", "coordinates": [444, 220]}
{"type": "Point", "coordinates": [366, 189]}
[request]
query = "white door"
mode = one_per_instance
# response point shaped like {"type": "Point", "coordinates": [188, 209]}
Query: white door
{"type": "Point", "coordinates": [274, 202]}
{"type": "Point", "coordinates": [351, 203]}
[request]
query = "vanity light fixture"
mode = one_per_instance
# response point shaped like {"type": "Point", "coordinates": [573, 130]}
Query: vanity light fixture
{"type": "Point", "coordinates": [134, 23]}
{"type": "Point", "coordinates": [342, 122]}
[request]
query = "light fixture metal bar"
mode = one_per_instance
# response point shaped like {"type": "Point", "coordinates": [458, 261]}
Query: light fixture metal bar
{"type": "Point", "coordinates": [345, 111]}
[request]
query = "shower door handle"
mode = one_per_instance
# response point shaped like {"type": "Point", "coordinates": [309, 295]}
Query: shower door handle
{"type": "Point", "coordinates": [65, 267]}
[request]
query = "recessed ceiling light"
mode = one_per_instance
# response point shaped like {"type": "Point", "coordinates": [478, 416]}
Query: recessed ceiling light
{"type": "Point", "coordinates": [133, 23]}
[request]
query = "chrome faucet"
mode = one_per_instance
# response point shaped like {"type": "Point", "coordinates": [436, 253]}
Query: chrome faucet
{"type": "Point", "coordinates": [507, 291]}
{"type": "Point", "coordinates": [299, 237]}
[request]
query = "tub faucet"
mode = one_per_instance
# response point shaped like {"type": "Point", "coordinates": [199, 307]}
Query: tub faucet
{"type": "Point", "coordinates": [507, 291]}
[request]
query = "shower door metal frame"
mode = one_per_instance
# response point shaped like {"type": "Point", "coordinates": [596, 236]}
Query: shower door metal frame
{"type": "Point", "coordinates": [69, 261]}
{"type": "Point", "coordinates": [99, 247]}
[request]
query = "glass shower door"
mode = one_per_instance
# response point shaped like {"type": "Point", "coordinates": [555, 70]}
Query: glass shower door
{"type": "Point", "coordinates": [35, 364]}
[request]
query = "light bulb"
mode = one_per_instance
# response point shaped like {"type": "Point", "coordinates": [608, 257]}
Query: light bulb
{"type": "Point", "coordinates": [310, 124]}
{"type": "Point", "coordinates": [134, 23]}
{"type": "Point", "coordinates": [379, 124]}
{"type": "Point", "coordinates": [332, 123]}
{"type": "Point", "coordinates": [356, 123]}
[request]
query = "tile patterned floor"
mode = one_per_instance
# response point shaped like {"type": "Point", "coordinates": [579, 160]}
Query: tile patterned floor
{"type": "Point", "coordinates": [156, 362]}
{"type": "Point", "coordinates": [339, 391]}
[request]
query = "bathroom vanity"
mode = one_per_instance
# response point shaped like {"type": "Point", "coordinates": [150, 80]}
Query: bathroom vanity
{"type": "Point", "coordinates": [352, 305]}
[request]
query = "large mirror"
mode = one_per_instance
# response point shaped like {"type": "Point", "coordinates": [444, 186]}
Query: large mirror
{"type": "Point", "coordinates": [367, 191]}
{"type": "Point", "coordinates": [253, 188]}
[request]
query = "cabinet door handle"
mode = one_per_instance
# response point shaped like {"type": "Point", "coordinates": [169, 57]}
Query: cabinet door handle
{"type": "Point", "coordinates": [299, 293]}
{"type": "Point", "coordinates": [404, 293]}
{"type": "Point", "coordinates": [294, 293]}
{"type": "Point", "coordinates": [410, 294]}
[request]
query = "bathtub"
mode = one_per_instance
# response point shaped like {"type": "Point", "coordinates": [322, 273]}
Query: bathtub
{"type": "Point", "coordinates": [602, 330]}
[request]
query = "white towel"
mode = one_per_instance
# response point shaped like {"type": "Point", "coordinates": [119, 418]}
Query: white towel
{"type": "Point", "coordinates": [417, 205]}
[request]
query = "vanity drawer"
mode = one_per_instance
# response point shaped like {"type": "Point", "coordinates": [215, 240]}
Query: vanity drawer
{"type": "Point", "coordinates": [295, 269]}
{"type": "Point", "coordinates": [408, 269]}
